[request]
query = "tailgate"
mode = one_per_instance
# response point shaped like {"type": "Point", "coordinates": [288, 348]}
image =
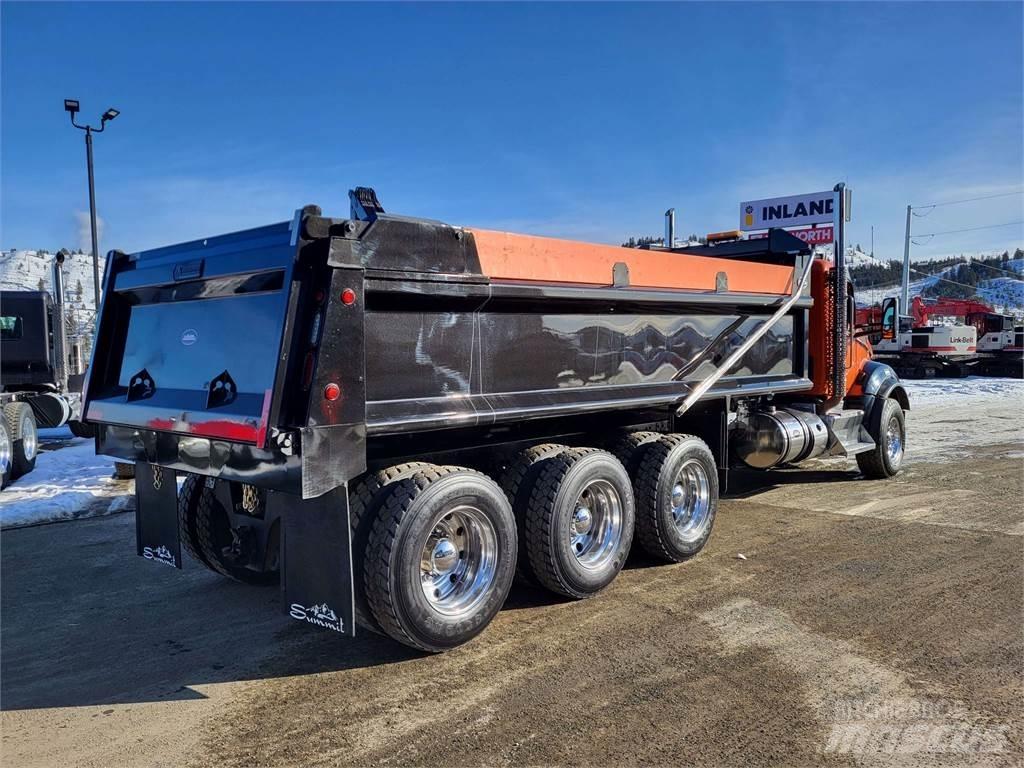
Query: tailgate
{"type": "Point", "coordinates": [191, 336]}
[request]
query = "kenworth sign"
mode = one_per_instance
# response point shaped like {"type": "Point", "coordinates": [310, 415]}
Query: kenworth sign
{"type": "Point", "coordinates": [794, 211]}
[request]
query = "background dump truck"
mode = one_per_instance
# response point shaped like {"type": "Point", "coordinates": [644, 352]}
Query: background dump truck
{"type": "Point", "coordinates": [394, 415]}
{"type": "Point", "coordinates": [40, 378]}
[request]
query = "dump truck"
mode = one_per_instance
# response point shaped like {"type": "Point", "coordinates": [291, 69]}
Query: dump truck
{"type": "Point", "coordinates": [393, 417]}
{"type": "Point", "coordinates": [40, 385]}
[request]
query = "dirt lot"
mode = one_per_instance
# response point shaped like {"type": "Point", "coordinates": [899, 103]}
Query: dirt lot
{"type": "Point", "coordinates": [870, 623]}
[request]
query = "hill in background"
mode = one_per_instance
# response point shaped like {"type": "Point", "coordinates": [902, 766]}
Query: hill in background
{"type": "Point", "coordinates": [28, 270]}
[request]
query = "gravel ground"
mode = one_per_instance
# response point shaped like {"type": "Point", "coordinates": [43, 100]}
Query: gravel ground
{"type": "Point", "coordinates": [870, 623]}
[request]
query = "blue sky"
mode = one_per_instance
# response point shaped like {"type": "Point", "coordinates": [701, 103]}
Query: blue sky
{"type": "Point", "coordinates": [570, 120]}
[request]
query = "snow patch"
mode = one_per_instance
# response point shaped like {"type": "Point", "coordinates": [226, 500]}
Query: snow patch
{"type": "Point", "coordinates": [67, 483]}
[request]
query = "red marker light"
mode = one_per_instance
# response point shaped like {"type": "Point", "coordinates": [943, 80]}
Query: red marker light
{"type": "Point", "coordinates": [348, 296]}
{"type": "Point", "coordinates": [332, 391]}
{"type": "Point", "coordinates": [319, 297]}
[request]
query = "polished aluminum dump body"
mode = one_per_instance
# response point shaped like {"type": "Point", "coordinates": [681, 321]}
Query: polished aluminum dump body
{"type": "Point", "coordinates": [221, 356]}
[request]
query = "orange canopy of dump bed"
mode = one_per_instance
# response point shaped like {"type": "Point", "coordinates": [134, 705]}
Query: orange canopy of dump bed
{"type": "Point", "coordinates": [508, 256]}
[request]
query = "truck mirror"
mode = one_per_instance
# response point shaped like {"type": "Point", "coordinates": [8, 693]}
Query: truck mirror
{"type": "Point", "coordinates": [889, 318]}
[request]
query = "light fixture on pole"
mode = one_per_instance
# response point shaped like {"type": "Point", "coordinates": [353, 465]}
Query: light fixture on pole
{"type": "Point", "coordinates": [71, 107]}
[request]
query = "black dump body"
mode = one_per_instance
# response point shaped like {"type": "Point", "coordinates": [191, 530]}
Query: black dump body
{"type": "Point", "coordinates": [217, 356]}
{"type": "Point", "coordinates": [26, 354]}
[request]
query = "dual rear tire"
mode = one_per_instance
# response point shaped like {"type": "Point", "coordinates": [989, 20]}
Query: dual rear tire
{"type": "Point", "coordinates": [19, 442]}
{"type": "Point", "coordinates": [440, 558]}
{"type": "Point", "coordinates": [206, 530]}
{"type": "Point", "coordinates": [436, 548]}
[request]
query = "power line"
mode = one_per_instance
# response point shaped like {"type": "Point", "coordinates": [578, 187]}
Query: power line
{"type": "Point", "coordinates": [946, 280]}
{"type": "Point", "coordinates": [997, 269]}
{"type": "Point", "coordinates": [970, 229]}
{"type": "Point", "coordinates": [969, 200]}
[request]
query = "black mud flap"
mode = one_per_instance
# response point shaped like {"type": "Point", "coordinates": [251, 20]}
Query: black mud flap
{"type": "Point", "coordinates": [156, 514]}
{"type": "Point", "coordinates": [316, 567]}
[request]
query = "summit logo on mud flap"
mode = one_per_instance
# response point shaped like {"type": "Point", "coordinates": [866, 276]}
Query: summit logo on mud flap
{"type": "Point", "coordinates": [321, 615]}
{"type": "Point", "coordinates": [161, 555]}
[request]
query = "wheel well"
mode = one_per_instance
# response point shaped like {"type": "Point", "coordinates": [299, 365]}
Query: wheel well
{"type": "Point", "coordinates": [899, 394]}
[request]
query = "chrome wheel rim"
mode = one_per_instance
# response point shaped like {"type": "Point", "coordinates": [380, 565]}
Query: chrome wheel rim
{"type": "Point", "coordinates": [29, 435]}
{"type": "Point", "coordinates": [595, 528]}
{"type": "Point", "coordinates": [5, 452]}
{"type": "Point", "coordinates": [690, 500]}
{"type": "Point", "coordinates": [458, 561]}
{"type": "Point", "coordinates": [894, 442]}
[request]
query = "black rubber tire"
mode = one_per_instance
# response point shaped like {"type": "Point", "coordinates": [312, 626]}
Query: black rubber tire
{"type": "Point", "coordinates": [365, 498]}
{"type": "Point", "coordinates": [630, 449]}
{"type": "Point", "coordinates": [79, 429]}
{"type": "Point", "coordinates": [550, 559]}
{"type": "Point", "coordinates": [20, 419]}
{"type": "Point", "coordinates": [392, 566]}
{"type": "Point", "coordinates": [124, 470]}
{"type": "Point", "coordinates": [517, 480]}
{"type": "Point", "coordinates": [876, 464]}
{"type": "Point", "coordinates": [5, 451]}
{"type": "Point", "coordinates": [655, 529]}
{"type": "Point", "coordinates": [213, 533]}
{"type": "Point", "coordinates": [188, 503]}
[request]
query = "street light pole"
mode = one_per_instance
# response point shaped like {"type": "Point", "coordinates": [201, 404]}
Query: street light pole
{"type": "Point", "coordinates": [71, 107]}
{"type": "Point", "coordinates": [92, 221]}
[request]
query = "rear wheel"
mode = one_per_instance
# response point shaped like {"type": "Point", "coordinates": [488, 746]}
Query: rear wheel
{"type": "Point", "coordinates": [124, 470]}
{"type": "Point", "coordinates": [24, 437]}
{"type": "Point", "coordinates": [890, 437]}
{"type": "Point", "coordinates": [629, 449]}
{"type": "Point", "coordinates": [441, 558]}
{"type": "Point", "coordinates": [5, 455]}
{"type": "Point", "coordinates": [188, 504]}
{"type": "Point", "coordinates": [364, 502]}
{"type": "Point", "coordinates": [80, 429]}
{"type": "Point", "coordinates": [517, 481]}
{"type": "Point", "coordinates": [209, 535]}
{"type": "Point", "coordinates": [579, 522]}
{"type": "Point", "coordinates": [677, 497]}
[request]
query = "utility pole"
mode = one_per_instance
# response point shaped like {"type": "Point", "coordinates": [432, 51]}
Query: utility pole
{"type": "Point", "coordinates": [71, 107]}
{"type": "Point", "coordinates": [905, 294]}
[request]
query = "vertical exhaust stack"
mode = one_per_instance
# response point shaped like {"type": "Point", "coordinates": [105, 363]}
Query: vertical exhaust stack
{"type": "Point", "coordinates": [670, 228]}
{"type": "Point", "coordinates": [60, 341]}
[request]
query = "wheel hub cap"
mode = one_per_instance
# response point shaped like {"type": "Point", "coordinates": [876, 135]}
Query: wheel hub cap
{"type": "Point", "coordinates": [582, 521]}
{"type": "Point", "coordinates": [5, 454]}
{"type": "Point", "coordinates": [445, 556]}
{"type": "Point", "coordinates": [458, 561]}
{"type": "Point", "coordinates": [690, 500]}
{"type": "Point", "coordinates": [894, 442]}
{"type": "Point", "coordinates": [29, 436]}
{"type": "Point", "coordinates": [596, 526]}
